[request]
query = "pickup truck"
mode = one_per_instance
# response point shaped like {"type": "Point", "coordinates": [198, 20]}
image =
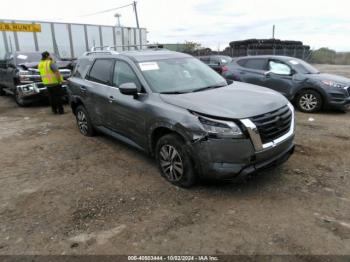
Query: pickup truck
{"type": "Point", "coordinates": [19, 76]}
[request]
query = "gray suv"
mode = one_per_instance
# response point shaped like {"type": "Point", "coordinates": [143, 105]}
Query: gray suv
{"type": "Point", "coordinates": [177, 109]}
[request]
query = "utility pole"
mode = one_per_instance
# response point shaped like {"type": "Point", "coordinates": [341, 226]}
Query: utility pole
{"type": "Point", "coordinates": [273, 32]}
{"type": "Point", "coordinates": [137, 23]}
{"type": "Point", "coordinates": [137, 18]}
{"type": "Point", "coordinates": [118, 19]}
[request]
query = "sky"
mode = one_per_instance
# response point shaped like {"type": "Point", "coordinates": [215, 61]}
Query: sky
{"type": "Point", "coordinates": [212, 23]}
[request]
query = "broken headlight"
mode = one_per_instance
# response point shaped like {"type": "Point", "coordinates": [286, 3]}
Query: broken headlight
{"type": "Point", "coordinates": [220, 128]}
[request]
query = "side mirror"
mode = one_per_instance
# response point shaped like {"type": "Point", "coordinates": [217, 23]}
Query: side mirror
{"type": "Point", "coordinates": [267, 73]}
{"type": "Point", "coordinates": [129, 89]}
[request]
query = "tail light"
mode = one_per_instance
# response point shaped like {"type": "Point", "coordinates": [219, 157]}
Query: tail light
{"type": "Point", "coordinates": [224, 69]}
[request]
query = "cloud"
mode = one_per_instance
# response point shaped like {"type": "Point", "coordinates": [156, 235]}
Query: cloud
{"type": "Point", "coordinates": [210, 22]}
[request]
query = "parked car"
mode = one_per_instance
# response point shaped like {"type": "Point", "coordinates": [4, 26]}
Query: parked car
{"type": "Point", "coordinates": [19, 76]}
{"type": "Point", "coordinates": [297, 80]}
{"type": "Point", "coordinates": [217, 62]}
{"type": "Point", "coordinates": [177, 109]}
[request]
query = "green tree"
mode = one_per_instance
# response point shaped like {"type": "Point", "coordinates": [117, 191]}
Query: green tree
{"type": "Point", "coordinates": [323, 55]}
{"type": "Point", "coordinates": [190, 47]}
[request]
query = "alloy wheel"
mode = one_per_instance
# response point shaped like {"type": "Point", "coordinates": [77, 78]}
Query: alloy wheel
{"type": "Point", "coordinates": [308, 102]}
{"type": "Point", "coordinates": [82, 122]}
{"type": "Point", "coordinates": [171, 163]}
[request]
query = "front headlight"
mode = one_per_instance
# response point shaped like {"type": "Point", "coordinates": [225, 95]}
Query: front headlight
{"type": "Point", "coordinates": [221, 129]}
{"type": "Point", "coordinates": [332, 84]}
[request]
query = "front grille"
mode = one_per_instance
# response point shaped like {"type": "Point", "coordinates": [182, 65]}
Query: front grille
{"type": "Point", "coordinates": [274, 124]}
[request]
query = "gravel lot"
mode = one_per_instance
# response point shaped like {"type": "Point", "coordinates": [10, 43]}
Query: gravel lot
{"type": "Point", "coordinates": [62, 193]}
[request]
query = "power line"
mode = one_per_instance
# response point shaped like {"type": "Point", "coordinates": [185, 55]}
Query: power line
{"type": "Point", "coordinates": [107, 10]}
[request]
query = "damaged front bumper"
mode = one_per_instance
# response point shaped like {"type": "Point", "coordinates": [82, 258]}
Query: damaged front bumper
{"type": "Point", "coordinates": [227, 158]}
{"type": "Point", "coordinates": [33, 90]}
{"type": "Point", "coordinates": [30, 90]}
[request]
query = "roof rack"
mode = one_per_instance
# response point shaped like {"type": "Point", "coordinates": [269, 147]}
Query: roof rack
{"type": "Point", "coordinates": [137, 47]}
{"type": "Point", "coordinates": [101, 50]}
{"type": "Point", "coordinates": [111, 50]}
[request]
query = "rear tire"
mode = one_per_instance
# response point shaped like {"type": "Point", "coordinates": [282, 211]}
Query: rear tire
{"type": "Point", "coordinates": [83, 121]}
{"type": "Point", "coordinates": [174, 162]}
{"type": "Point", "coordinates": [309, 101]}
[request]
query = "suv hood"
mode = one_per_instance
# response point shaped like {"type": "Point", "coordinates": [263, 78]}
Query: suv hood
{"type": "Point", "coordinates": [34, 65]}
{"type": "Point", "coordinates": [238, 100]}
{"type": "Point", "coordinates": [335, 78]}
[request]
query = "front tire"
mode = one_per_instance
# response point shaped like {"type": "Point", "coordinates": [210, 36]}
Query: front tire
{"type": "Point", "coordinates": [309, 101]}
{"type": "Point", "coordinates": [174, 162]}
{"type": "Point", "coordinates": [20, 101]}
{"type": "Point", "coordinates": [83, 121]}
{"type": "Point", "coordinates": [2, 92]}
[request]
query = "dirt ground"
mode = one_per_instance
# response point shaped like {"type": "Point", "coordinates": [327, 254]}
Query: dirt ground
{"type": "Point", "coordinates": [62, 193]}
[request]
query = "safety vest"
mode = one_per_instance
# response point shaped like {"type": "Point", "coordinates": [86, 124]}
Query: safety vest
{"type": "Point", "coordinates": [47, 75]}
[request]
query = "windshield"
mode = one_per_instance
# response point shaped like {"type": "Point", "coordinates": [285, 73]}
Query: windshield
{"type": "Point", "coordinates": [23, 58]}
{"type": "Point", "coordinates": [302, 67]}
{"type": "Point", "coordinates": [180, 75]}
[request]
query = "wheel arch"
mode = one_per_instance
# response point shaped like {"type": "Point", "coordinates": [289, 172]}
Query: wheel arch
{"type": "Point", "coordinates": [322, 94]}
{"type": "Point", "coordinates": [161, 130]}
{"type": "Point", "coordinates": [75, 102]}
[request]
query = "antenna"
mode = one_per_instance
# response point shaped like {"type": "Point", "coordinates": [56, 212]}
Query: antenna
{"type": "Point", "coordinates": [273, 32]}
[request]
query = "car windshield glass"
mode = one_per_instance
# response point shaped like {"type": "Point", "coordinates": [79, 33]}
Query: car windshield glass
{"type": "Point", "coordinates": [302, 67]}
{"type": "Point", "coordinates": [23, 58]}
{"type": "Point", "coordinates": [180, 75]}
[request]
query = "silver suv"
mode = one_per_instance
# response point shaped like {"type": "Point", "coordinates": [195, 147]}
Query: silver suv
{"type": "Point", "coordinates": [177, 109]}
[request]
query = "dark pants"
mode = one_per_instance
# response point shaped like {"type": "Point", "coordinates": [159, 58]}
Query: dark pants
{"type": "Point", "coordinates": [56, 98]}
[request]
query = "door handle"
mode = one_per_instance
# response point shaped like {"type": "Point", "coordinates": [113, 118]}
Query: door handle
{"type": "Point", "coordinates": [83, 88]}
{"type": "Point", "coordinates": [111, 99]}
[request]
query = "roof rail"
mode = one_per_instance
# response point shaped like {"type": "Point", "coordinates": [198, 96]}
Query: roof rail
{"type": "Point", "coordinates": [137, 47]}
{"type": "Point", "coordinates": [101, 50]}
{"type": "Point", "coordinates": [111, 50]}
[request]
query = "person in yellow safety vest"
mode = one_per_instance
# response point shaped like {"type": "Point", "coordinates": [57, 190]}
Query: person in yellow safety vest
{"type": "Point", "coordinates": [53, 80]}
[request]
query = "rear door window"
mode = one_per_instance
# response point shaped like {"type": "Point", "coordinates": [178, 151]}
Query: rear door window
{"type": "Point", "coordinates": [256, 64]}
{"type": "Point", "coordinates": [101, 71]}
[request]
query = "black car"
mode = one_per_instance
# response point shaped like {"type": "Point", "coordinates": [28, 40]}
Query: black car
{"type": "Point", "coordinates": [217, 62]}
{"type": "Point", "coordinates": [179, 110]}
{"type": "Point", "coordinates": [20, 77]}
{"type": "Point", "coordinates": [297, 80]}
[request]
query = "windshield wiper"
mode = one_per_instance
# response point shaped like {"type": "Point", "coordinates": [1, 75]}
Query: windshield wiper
{"type": "Point", "coordinates": [208, 87]}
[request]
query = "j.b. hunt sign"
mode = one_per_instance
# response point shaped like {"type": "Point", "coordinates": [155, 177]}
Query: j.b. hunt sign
{"type": "Point", "coordinates": [14, 27]}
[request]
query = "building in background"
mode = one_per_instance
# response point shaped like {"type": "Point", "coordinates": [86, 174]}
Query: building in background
{"type": "Point", "coordinates": [69, 40]}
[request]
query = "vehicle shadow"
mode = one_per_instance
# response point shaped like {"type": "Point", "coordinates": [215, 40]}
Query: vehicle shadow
{"type": "Point", "coordinates": [257, 180]}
